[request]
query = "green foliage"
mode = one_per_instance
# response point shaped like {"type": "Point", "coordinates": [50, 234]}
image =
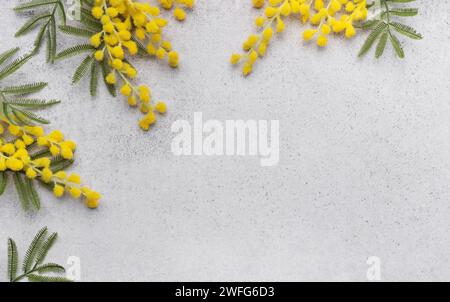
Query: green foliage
{"type": "Point", "coordinates": [13, 106]}
{"type": "Point", "coordinates": [33, 267]}
{"type": "Point", "coordinates": [47, 20]}
{"type": "Point", "coordinates": [383, 28]}
{"type": "Point", "coordinates": [88, 66]}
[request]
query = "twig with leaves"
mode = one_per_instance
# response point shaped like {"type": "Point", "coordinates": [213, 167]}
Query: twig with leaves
{"type": "Point", "coordinates": [47, 19]}
{"type": "Point", "coordinates": [383, 27]}
{"type": "Point", "coordinates": [26, 151]}
{"type": "Point", "coordinates": [34, 267]}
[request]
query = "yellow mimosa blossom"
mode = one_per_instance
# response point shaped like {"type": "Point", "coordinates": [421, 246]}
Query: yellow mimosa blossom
{"type": "Point", "coordinates": [324, 17]}
{"type": "Point", "coordinates": [42, 161]}
{"type": "Point", "coordinates": [129, 27]}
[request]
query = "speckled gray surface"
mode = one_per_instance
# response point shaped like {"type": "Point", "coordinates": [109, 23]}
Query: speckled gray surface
{"type": "Point", "coordinates": [364, 161]}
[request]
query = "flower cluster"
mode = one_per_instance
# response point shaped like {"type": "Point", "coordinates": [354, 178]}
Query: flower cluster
{"type": "Point", "coordinates": [126, 25]}
{"type": "Point", "coordinates": [325, 17]}
{"type": "Point", "coordinates": [179, 7]}
{"type": "Point", "coordinates": [28, 150]}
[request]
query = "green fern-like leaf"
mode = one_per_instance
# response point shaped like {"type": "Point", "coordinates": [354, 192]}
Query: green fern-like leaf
{"type": "Point", "coordinates": [41, 278]}
{"type": "Point", "coordinates": [33, 268]}
{"type": "Point", "coordinates": [3, 182]}
{"type": "Point", "coordinates": [32, 103]}
{"type": "Point", "coordinates": [8, 54]}
{"type": "Point", "coordinates": [387, 16]}
{"type": "Point", "coordinates": [14, 66]}
{"type": "Point", "coordinates": [28, 117]}
{"type": "Point", "coordinates": [24, 89]}
{"type": "Point", "coordinates": [372, 38]}
{"type": "Point", "coordinates": [75, 50]}
{"type": "Point", "coordinates": [34, 197]}
{"type": "Point", "coordinates": [33, 249]}
{"type": "Point", "coordinates": [32, 23]}
{"type": "Point", "coordinates": [404, 12]}
{"type": "Point", "coordinates": [42, 253]}
{"type": "Point", "coordinates": [80, 72]}
{"type": "Point", "coordinates": [406, 30]}
{"type": "Point", "coordinates": [48, 19]}
{"type": "Point", "coordinates": [94, 78]}
{"type": "Point", "coordinates": [13, 259]}
{"type": "Point", "coordinates": [22, 191]}
{"type": "Point", "coordinates": [34, 4]}
{"type": "Point", "coordinates": [381, 45]}
{"type": "Point", "coordinates": [50, 268]}
{"type": "Point", "coordinates": [397, 46]}
{"type": "Point", "coordinates": [75, 31]}
{"type": "Point", "coordinates": [59, 163]}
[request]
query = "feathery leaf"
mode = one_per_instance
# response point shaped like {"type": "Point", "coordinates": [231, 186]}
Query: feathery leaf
{"type": "Point", "coordinates": [94, 78]}
{"type": "Point", "coordinates": [21, 191]}
{"type": "Point", "coordinates": [34, 4]}
{"type": "Point", "coordinates": [74, 50]}
{"type": "Point", "coordinates": [75, 31]}
{"type": "Point", "coordinates": [41, 278]}
{"type": "Point", "coordinates": [8, 54]}
{"type": "Point", "coordinates": [406, 30]}
{"type": "Point", "coordinates": [372, 38]}
{"type": "Point", "coordinates": [34, 197]}
{"type": "Point", "coordinates": [30, 24]}
{"type": "Point", "coordinates": [33, 249]}
{"type": "Point", "coordinates": [14, 66]}
{"type": "Point", "coordinates": [381, 45]}
{"type": "Point", "coordinates": [24, 89]}
{"type": "Point", "coordinates": [80, 72]}
{"type": "Point", "coordinates": [44, 248]}
{"type": "Point", "coordinates": [50, 268]}
{"type": "Point", "coordinates": [32, 103]}
{"type": "Point", "coordinates": [3, 182]}
{"type": "Point", "coordinates": [13, 259]}
{"type": "Point", "coordinates": [397, 46]}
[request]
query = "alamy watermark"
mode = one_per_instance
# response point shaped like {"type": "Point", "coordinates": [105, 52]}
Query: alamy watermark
{"type": "Point", "coordinates": [374, 270]}
{"type": "Point", "coordinates": [228, 138]}
{"type": "Point", "coordinates": [73, 271]}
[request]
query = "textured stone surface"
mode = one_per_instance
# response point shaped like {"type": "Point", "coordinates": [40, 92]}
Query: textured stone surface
{"type": "Point", "coordinates": [364, 168]}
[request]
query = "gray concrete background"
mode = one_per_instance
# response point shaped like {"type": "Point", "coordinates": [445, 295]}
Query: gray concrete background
{"type": "Point", "coordinates": [364, 168]}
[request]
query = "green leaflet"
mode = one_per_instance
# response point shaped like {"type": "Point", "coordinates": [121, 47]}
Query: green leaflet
{"type": "Point", "coordinates": [94, 78]}
{"type": "Point", "coordinates": [3, 182]}
{"type": "Point", "coordinates": [33, 268]}
{"type": "Point", "coordinates": [21, 191]}
{"type": "Point", "coordinates": [75, 50]}
{"type": "Point", "coordinates": [26, 191]}
{"type": "Point", "coordinates": [13, 260]}
{"type": "Point", "coordinates": [75, 31]}
{"type": "Point", "coordinates": [381, 45]}
{"type": "Point", "coordinates": [24, 89]}
{"type": "Point", "coordinates": [383, 28]}
{"type": "Point", "coordinates": [80, 72]}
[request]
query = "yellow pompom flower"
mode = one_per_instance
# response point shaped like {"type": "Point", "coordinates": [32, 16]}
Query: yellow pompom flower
{"type": "Point", "coordinates": [58, 190]}
{"type": "Point", "coordinates": [173, 58]}
{"type": "Point", "coordinates": [126, 90]}
{"type": "Point", "coordinates": [161, 107]}
{"type": "Point", "coordinates": [322, 41]}
{"type": "Point", "coordinates": [179, 14]}
{"type": "Point", "coordinates": [97, 12]}
{"type": "Point", "coordinates": [111, 78]}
